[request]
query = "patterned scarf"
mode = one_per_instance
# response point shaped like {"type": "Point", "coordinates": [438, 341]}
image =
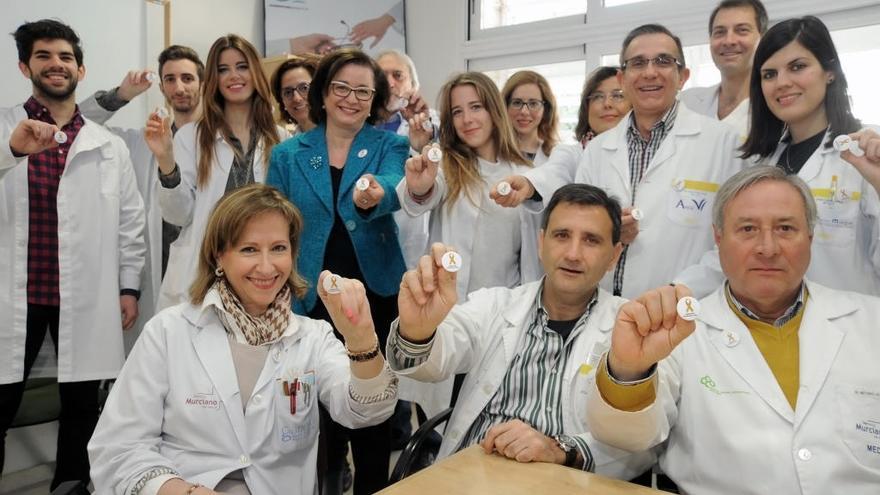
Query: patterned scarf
{"type": "Point", "coordinates": [255, 330]}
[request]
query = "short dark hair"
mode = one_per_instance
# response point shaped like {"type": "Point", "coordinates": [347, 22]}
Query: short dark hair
{"type": "Point", "coordinates": [596, 78]}
{"type": "Point", "coordinates": [178, 52]}
{"type": "Point", "coordinates": [761, 19]}
{"type": "Point", "coordinates": [330, 65]}
{"type": "Point", "coordinates": [46, 29]}
{"type": "Point", "coordinates": [766, 129]}
{"type": "Point", "coordinates": [585, 195]}
{"type": "Point", "coordinates": [308, 62]}
{"type": "Point", "coordinates": [651, 29]}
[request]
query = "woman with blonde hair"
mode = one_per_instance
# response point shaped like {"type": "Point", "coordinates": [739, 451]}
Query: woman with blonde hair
{"type": "Point", "coordinates": [479, 149]}
{"type": "Point", "coordinates": [531, 107]}
{"type": "Point", "coordinates": [228, 147]}
{"type": "Point", "coordinates": [221, 394]}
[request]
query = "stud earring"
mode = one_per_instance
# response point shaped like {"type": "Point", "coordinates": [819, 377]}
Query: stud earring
{"type": "Point", "coordinates": [218, 272]}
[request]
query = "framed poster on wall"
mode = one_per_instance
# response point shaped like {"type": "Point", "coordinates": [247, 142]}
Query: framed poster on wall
{"type": "Point", "coordinates": [320, 26]}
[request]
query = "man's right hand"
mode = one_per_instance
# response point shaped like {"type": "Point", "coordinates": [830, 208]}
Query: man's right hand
{"type": "Point", "coordinates": [647, 329]}
{"type": "Point", "coordinates": [629, 226]}
{"type": "Point", "coordinates": [133, 84]}
{"type": "Point", "coordinates": [158, 136]}
{"type": "Point", "coordinates": [31, 137]}
{"type": "Point", "coordinates": [521, 190]}
{"type": "Point", "coordinates": [420, 173]}
{"type": "Point", "coordinates": [427, 294]}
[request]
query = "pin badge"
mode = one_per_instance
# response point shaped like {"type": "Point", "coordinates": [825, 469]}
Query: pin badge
{"type": "Point", "coordinates": [162, 113]}
{"type": "Point", "coordinates": [152, 78]}
{"type": "Point", "coordinates": [503, 188]}
{"type": "Point", "coordinates": [688, 308]}
{"type": "Point", "coordinates": [451, 261]}
{"type": "Point", "coordinates": [435, 154]}
{"type": "Point", "coordinates": [637, 214]}
{"type": "Point", "coordinates": [846, 143]}
{"type": "Point", "coordinates": [731, 339]}
{"type": "Point", "coordinates": [678, 185]}
{"type": "Point", "coordinates": [332, 284]}
{"type": "Point", "coordinates": [362, 153]}
{"type": "Point", "coordinates": [362, 184]}
{"type": "Point", "coordinates": [60, 137]}
{"type": "Point", "coordinates": [427, 125]}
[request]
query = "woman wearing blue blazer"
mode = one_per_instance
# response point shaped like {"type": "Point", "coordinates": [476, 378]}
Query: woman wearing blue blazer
{"type": "Point", "coordinates": [349, 230]}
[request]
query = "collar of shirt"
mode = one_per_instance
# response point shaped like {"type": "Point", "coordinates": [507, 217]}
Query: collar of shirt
{"type": "Point", "coordinates": [36, 111]}
{"type": "Point", "coordinates": [660, 128]}
{"type": "Point", "coordinates": [542, 316]}
{"type": "Point", "coordinates": [392, 123]}
{"type": "Point", "coordinates": [790, 313]}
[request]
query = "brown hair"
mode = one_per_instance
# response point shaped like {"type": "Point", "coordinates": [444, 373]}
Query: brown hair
{"type": "Point", "coordinates": [213, 120]}
{"type": "Point", "coordinates": [330, 65]}
{"type": "Point", "coordinates": [226, 225]}
{"type": "Point", "coordinates": [547, 129]}
{"type": "Point", "coordinates": [460, 161]}
{"type": "Point", "coordinates": [596, 78]}
{"type": "Point", "coordinates": [308, 62]}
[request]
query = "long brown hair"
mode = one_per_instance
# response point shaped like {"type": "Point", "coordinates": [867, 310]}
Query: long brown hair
{"type": "Point", "coordinates": [226, 226]}
{"type": "Point", "coordinates": [548, 127]}
{"type": "Point", "coordinates": [460, 164]}
{"type": "Point", "coordinates": [213, 119]}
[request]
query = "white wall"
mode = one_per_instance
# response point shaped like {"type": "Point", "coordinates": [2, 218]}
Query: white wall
{"type": "Point", "coordinates": [435, 35]}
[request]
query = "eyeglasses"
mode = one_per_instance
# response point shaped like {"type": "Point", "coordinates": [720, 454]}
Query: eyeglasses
{"type": "Point", "coordinates": [663, 61]}
{"type": "Point", "coordinates": [533, 105]}
{"type": "Point", "coordinates": [301, 88]}
{"type": "Point", "coordinates": [614, 96]}
{"type": "Point", "coordinates": [342, 90]}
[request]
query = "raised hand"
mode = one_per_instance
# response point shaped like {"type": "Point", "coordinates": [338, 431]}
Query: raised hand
{"type": "Point", "coordinates": [521, 190]}
{"type": "Point", "coordinates": [371, 197]}
{"type": "Point", "coordinates": [427, 294]}
{"type": "Point", "coordinates": [157, 134]}
{"type": "Point", "coordinates": [416, 105]}
{"type": "Point", "coordinates": [32, 136]}
{"type": "Point", "coordinates": [629, 226]}
{"type": "Point", "coordinates": [420, 173]}
{"type": "Point", "coordinates": [419, 137]}
{"type": "Point", "coordinates": [133, 84]}
{"type": "Point", "coordinates": [349, 310]}
{"type": "Point", "coordinates": [647, 329]}
{"type": "Point", "coordinates": [869, 164]}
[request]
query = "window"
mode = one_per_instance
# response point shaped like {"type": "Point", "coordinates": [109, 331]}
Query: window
{"type": "Point", "coordinates": [859, 52]}
{"type": "Point", "coordinates": [498, 13]}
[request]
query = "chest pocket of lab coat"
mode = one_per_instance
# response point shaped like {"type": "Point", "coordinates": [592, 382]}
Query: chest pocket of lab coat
{"type": "Point", "coordinates": [838, 211]}
{"type": "Point", "coordinates": [586, 364]}
{"type": "Point", "coordinates": [690, 202]}
{"type": "Point", "coordinates": [297, 413]}
{"type": "Point", "coordinates": [859, 423]}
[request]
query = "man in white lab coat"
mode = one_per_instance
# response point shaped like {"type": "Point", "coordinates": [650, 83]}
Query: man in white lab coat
{"type": "Point", "coordinates": [529, 352]}
{"type": "Point", "coordinates": [735, 28]}
{"type": "Point", "coordinates": [71, 241]}
{"type": "Point", "coordinates": [778, 389]}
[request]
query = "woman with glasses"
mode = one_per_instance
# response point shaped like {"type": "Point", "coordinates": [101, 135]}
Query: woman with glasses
{"type": "Point", "coordinates": [531, 107]}
{"type": "Point", "coordinates": [342, 175]}
{"type": "Point", "coordinates": [290, 87]}
{"type": "Point", "coordinates": [498, 245]}
{"type": "Point", "coordinates": [227, 148]}
{"type": "Point", "coordinates": [603, 104]}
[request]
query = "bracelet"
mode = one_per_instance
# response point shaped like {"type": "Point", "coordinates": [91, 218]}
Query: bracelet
{"type": "Point", "coordinates": [420, 198]}
{"type": "Point", "coordinates": [363, 355]}
{"type": "Point", "coordinates": [193, 488]}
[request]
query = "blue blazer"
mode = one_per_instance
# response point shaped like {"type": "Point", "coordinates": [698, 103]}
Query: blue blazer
{"type": "Point", "coordinates": [300, 168]}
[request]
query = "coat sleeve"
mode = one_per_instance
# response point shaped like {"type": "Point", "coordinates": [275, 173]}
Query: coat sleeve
{"type": "Point", "coordinates": [178, 203]}
{"type": "Point", "coordinates": [132, 222]}
{"type": "Point", "coordinates": [390, 173]}
{"type": "Point", "coordinates": [125, 445]}
{"type": "Point", "coordinates": [8, 161]}
{"type": "Point", "coordinates": [557, 171]}
{"type": "Point", "coordinates": [436, 199]}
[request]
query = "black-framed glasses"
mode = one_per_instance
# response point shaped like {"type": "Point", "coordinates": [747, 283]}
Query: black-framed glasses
{"type": "Point", "coordinates": [532, 105]}
{"type": "Point", "coordinates": [662, 61]}
{"type": "Point", "coordinates": [599, 97]}
{"type": "Point", "coordinates": [301, 88]}
{"type": "Point", "coordinates": [342, 90]}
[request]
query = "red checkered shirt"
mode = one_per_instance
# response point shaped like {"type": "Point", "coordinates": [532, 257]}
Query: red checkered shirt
{"type": "Point", "coordinates": [44, 175]}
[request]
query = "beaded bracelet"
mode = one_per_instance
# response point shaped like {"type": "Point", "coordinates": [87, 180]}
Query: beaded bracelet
{"type": "Point", "coordinates": [364, 355]}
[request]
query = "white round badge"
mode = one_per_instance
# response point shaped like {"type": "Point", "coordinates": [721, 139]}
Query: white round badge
{"type": "Point", "coordinates": [503, 188]}
{"type": "Point", "coordinates": [60, 137]}
{"type": "Point", "coordinates": [435, 154]}
{"type": "Point", "coordinates": [362, 153]}
{"type": "Point", "coordinates": [152, 77]}
{"type": "Point", "coordinates": [162, 113]}
{"type": "Point", "coordinates": [637, 214]}
{"type": "Point", "coordinates": [688, 308]}
{"type": "Point", "coordinates": [427, 125]}
{"type": "Point", "coordinates": [362, 184]}
{"type": "Point", "coordinates": [332, 284]}
{"type": "Point", "coordinates": [451, 261]}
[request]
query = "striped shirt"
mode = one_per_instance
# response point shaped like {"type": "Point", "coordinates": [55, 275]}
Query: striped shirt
{"type": "Point", "coordinates": [531, 390]}
{"type": "Point", "coordinates": [790, 313]}
{"type": "Point", "coordinates": [641, 151]}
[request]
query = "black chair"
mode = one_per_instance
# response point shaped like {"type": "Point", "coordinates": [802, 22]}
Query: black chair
{"type": "Point", "coordinates": [71, 488]}
{"type": "Point", "coordinates": [407, 463]}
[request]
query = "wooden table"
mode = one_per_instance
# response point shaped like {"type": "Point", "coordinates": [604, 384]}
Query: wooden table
{"type": "Point", "coordinates": [472, 472]}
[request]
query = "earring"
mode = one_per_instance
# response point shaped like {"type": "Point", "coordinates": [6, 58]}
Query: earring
{"type": "Point", "coordinates": [218, 272]}
{"type": "Point", "coordinates": [830, 80]}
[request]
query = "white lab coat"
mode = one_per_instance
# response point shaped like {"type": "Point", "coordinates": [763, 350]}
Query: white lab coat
{"type": "Point", "coordinates": [189, 206]}
{"type": "Point", "coordinates": [728, 426]}
{"type": "Point", "coordinates": [846, 241]}
{"type": "Point", "coordinates": [482, 336]}
{"type": "Point", "coordinates": [100, 251]}
{"type": "Point", "coordinates": [177, 404]}
{"type": "Point", "coordinates": [558, 170]}
{"type": "Point", "coordinates": [676, 194]}
{"type": "Point", "coordinates": [704, 101]}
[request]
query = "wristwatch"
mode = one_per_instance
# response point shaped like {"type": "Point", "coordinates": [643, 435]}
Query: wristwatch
{"type": "Point", "coordinates": [567, 445]}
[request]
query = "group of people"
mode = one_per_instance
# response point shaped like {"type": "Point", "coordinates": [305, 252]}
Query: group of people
{"type": "Point", "coordinates": [289, 276]}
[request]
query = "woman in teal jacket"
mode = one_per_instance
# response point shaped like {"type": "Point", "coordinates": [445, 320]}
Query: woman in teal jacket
{"type": "Point", "coordinates": [348, 230]}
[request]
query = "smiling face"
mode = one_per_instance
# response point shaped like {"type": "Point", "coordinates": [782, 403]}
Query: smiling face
{"type": "Point", "coordinates": [296, 103]}
{"type": "Point", "coordinates": [526, 121]}
{"type": "Point", "coordinates": [605, 113]}
{"type": "Point", "coordinates": [794, 84]}
{"type": "Point", "coordinates": [259, 264]}
{"type": "Point", "coordinates": [733, 40]}
{"type": "Point", "coordinates": [180, 84]}
{"type": "Point", "coordinates": [397, 73]}
{"type": "Point", "coordinates": [472, 122]}
{"type": "Point", "coordinates": [349, 112]}
{"type": "Point", "coordinates": [53, 69]}
{"type": "Point", "coordinates": [652, 90]}
{"type": "Point", "coordinates": [235, 80]}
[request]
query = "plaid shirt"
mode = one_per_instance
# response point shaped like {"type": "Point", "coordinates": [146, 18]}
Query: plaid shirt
{"type": "Point", "coordinates": [641, 151]}
{"type": "Point", "coordinates": [44, 176]}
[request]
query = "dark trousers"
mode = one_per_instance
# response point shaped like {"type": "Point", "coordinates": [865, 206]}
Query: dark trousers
{"type": "Point", "coordinates": [79, 403]}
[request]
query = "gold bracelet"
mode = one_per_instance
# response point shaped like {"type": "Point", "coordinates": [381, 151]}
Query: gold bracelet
{"type": "Point", "coordinates": [193, 488]}
{"type": "Point", "coordinates": [363, 355]}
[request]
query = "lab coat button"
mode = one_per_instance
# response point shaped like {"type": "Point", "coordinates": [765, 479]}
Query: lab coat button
{"type": "Point", "coordinates": [350, 225]}
{"type": "Point", "coordinates": [256, 399]}
{"type": "Point", "coordinates": [805, 454]}
{"type": "Point", "coordinates": [244, 459]}
{"type": "Point", "coordinates": [276, 356]}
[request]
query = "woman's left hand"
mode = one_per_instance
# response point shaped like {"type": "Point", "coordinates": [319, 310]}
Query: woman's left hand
{"type": "Point", "coordinates": [419, 137]}
{"type": "Point", "coordinates": [349, 310]}
{"type": "Point", "coordinates": [869, 164]}
{"type": "Point", "coordinates": [371, 197]}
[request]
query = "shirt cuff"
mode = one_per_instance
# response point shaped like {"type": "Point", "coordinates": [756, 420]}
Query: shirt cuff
{"type": "Point", "coordinates": [171, 180]}
{"type": "Point", "coordinates": [110, 100]}
{"type": "Point", "coordinates": [152, 487]}
{"type": "Point", "coordinates": [626, 396]}
{"type": "Point", "coordinates": [131, 292]}
{"type": "Point", "coordinates": [377, 389]}
{"type": "Point", "coordinates": [586, 454]}
{"type": "Point", "coordinates": [406, 354]}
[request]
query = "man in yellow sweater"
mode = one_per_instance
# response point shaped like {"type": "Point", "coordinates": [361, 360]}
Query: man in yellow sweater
{"type": "Point", "coordinates": [778, 389]}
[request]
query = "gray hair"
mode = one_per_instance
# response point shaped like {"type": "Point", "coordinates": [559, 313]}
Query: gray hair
{"type": "Point", "coordinates": [750, 176]}
{"type": "Point", "coordinates": [408, 62]}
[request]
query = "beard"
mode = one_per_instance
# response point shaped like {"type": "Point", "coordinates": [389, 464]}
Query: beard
{"type": "Point", "coordinates": [51, 92]}
{"type": "Point", "coordinates": [186, 105]}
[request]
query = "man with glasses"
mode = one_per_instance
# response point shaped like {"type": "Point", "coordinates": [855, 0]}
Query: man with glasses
{"type": "Point", "coordinates": [735, 28]}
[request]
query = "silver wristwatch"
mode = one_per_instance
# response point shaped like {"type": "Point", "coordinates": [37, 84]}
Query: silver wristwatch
{"type": "Point", "coordinates": [567, 445]}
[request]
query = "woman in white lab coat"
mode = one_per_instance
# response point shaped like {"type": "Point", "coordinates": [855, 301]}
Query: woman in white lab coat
{"type": "Point", "coordinates": [531, 107]}
{"type": "Point", "coordinates": [479, 149]}
{"type": "Point", "coordinates": [227, 148]}
{"type": "Point", "coordinates": [221, 394]}
{"type": "Point", "coordinates": [799, 105]}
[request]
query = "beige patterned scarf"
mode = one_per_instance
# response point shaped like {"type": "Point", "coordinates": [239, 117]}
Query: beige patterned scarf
{"type": "Point", "coordinates": [254, 330]}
